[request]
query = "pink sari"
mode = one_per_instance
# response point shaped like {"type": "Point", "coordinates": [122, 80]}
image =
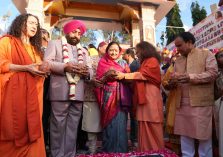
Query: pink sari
{"type": "Point", "coordinates": [114, 95]}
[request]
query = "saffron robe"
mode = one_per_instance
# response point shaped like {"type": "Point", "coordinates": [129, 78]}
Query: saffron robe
{"type": "Point", "coordinates": [9, 145]}
{"type": "Point", "coordinates": [149, 106]}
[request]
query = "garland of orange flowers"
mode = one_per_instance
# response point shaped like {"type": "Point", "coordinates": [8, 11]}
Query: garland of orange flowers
{"type": "Point", "coordinates": [72, 80]}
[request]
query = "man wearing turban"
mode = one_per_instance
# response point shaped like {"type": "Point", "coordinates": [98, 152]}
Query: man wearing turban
{"type": "Point", "coordinates": [68, 61]}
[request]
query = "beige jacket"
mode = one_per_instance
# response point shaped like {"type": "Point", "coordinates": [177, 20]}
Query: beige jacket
{"type": "Point", "coordinates": [202, 68]}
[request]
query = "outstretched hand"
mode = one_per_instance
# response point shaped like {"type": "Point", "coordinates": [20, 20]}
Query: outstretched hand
{"type": "Point", "coordinates": [45, 67]}
{"type": "Point", "coordinates": [34, 69]}
{"type": "Point", "coordinates": [119, 75]}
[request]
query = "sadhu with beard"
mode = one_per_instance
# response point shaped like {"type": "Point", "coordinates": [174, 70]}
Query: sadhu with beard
{"type": "Point", "coordinates": [68, 62]}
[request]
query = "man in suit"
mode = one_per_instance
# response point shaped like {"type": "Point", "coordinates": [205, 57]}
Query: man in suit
{"type": "Point", "coordinates": [68, 63]}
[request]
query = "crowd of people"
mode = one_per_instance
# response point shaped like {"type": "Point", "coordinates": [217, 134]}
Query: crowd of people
{"type": "Point", "coordinates": [53, 89]}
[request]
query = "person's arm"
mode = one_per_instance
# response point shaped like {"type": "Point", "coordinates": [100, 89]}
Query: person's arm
{"type": "Point", "coordinates": [148, 71]}
{"type": "Point", "coordinates": [17, 68]}
{"type": "Point", "coordinates": [209, 74]}
{"type": "Point", "coordinates": [134, 76]}
{"type": "Point", "coordinates": [6, 64]}
{"type": "Point", "coordinates": [31, 68]}
{"type": "Point", "coordinates": [50, 56]}
{"type": "Point", "coordinates": [5, 55]}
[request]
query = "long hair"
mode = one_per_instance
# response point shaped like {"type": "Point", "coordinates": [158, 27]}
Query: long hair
{"type": "Point", "coordinates": [147, 50]}
{"type": "Point", "coordinates": [19, 23]}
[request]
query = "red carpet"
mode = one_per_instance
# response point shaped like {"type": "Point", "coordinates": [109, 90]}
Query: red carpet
{"type": "Point", "coordinates": [160, 153]}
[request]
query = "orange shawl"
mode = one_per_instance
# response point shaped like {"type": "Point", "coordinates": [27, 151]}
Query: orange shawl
{"type": "Point", "coordinates": [150, 69]}
{"type": "Point", "coordinates": [171, 102]}
{"type": "Point", "coordinates": [21, 100]}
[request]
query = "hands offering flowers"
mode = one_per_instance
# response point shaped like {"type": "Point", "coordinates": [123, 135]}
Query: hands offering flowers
{"type": "Point", "coordinates": [120, 75]}
{"type": "Point", "coordinates": [115, 75]}
{"type": "Point", "coordinates": [39, 69]}
{"type": "Point", "coordinates": [180, 78]}
{"type": "Point", "coordinates": [112, 74]}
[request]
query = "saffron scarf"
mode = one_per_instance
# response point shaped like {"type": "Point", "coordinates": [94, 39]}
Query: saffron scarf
{"type": "Point", "coordinates": [22, 98]}
{"type": "Point", "coordinates": [171, 102]}
{"type": "Point", "coordinates": [150, 69]}
{"type": "Point", "coordinates": [118, 93]}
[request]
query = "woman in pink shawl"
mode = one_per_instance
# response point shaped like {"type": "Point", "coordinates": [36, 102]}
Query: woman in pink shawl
{"type": "Point", "coordinates": [113, 99]}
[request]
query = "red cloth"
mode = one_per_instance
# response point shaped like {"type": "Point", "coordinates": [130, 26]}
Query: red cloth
{"type": "Point", "coordinates": [150, 136]}
{"type": "Point", "coordinates": [162, 152]}
{"type": "Point", "coordinates": [106, 63]}
{"type": "Point", "coordinates": [110, 109]}
{"type": "Point", "coordinates": [22, 97]}
{"type": "Point", "coordinates": [151, 71]}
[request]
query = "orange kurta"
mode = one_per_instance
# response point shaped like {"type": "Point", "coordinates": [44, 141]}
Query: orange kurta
{"type": "Point", "coordinates": [7, 147]}
{"type": "Point", "coordinates": [149, 109]}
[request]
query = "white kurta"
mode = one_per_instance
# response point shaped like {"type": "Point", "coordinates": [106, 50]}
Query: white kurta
{"type": "Point", "coordinates": [91, 112]}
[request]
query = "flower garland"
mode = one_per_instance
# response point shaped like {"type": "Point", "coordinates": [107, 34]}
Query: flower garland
{"type": "Point", "coordinates": [72, 80]}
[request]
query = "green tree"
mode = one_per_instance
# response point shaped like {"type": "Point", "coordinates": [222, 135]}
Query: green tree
{"type": "Point", "coordinates": [123, 37]}
{"type": "Point", "coordinates": [174, 24]}
{"type": "Point", "coordinates": [198, 14]}
{"type": "Point", "coordinates": [162, 38]}
{"type": "Point", "coordinates": [89, 38]}
{"type": "Point", "coordinates": [106, 35]}
{"type": "Point", "coordinates": [118, 36]}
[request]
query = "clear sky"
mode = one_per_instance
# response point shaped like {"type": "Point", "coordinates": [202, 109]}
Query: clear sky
{"type": "Point", "coordinates": [184, 6]}
{"type": "Point", "coordinates": [7, 6]}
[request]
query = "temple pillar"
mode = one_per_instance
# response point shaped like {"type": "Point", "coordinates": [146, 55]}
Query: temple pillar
{"type": "Point", "coordinates": [147, 23]}
{"type": "Point", "coordinates": [35, 7]}
{"type": "Point", "coordinates": [135, 33]}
